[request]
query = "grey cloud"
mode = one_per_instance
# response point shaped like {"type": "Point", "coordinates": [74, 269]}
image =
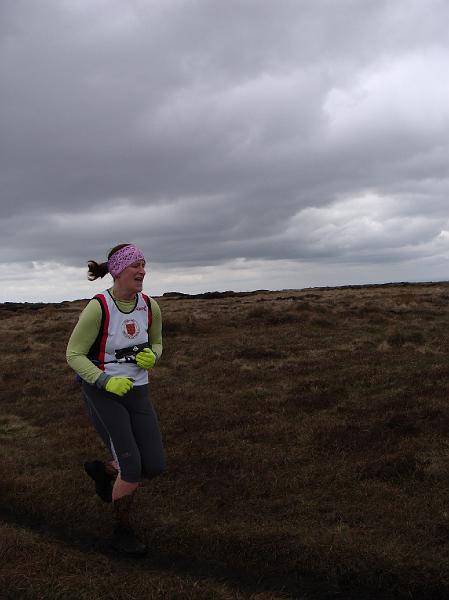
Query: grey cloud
{"type": "Point", "coordinates": [206, 127]}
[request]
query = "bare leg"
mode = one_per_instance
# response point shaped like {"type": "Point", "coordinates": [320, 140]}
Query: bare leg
{"type": "Point", "coordinates": [111, 469]}
{"type": "Point", "coordinates": [124, 539]}
{"type": "Point", "coordinates": [123, 488]}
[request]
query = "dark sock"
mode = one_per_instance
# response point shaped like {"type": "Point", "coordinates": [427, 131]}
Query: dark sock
{"type": "Point", "coordinates": [103, 483]}
{"type": "Point", "coordinates": [122, 508]}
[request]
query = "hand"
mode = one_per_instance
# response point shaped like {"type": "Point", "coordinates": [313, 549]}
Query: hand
{"type": "Point", "coordinates": [146, 359]}
{"type": "Point", "coordinates": [119, 385]}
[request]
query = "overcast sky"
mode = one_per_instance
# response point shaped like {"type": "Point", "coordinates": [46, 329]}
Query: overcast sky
{"type": "Point", "coordinates": [242, 144]}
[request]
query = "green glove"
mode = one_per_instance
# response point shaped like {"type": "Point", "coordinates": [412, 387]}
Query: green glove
{"type": "Point", "coordinates": [119, 385]}
{"type": "Point", "coordinates": [146, 359]}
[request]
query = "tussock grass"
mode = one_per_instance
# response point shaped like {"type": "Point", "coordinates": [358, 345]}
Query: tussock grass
{"type": "Point", "coordinates": [306, 436]}
{"type": "Point", "coordinates": [14, 427]}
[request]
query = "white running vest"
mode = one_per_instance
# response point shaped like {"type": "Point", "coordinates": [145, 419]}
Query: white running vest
{"type": "Point", "coordinates": [121, 330]}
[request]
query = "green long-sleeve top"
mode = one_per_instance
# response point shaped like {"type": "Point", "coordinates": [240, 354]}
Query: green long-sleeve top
{"type": "Point", "coordinates": [86, 331]}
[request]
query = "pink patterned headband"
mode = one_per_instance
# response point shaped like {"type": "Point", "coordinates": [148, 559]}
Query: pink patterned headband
{"type": "Point", "coordinates": [124, 258]}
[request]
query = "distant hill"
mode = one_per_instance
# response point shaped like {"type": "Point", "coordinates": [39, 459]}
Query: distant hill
{"type": "Point", "coordinates": [14, 306]}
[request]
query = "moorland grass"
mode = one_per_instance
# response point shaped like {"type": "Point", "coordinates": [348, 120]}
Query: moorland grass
{"type": "Point", "coordinates": [307, 444]}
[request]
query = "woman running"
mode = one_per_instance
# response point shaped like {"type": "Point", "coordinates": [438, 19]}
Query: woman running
{"type": "Point", "coordinates": [117, 340]}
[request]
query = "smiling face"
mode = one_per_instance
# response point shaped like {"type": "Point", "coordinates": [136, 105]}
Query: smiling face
{"type": "Point", "coordinates": [130, 280]}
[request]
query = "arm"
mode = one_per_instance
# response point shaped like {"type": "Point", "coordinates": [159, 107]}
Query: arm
{"type": "Point", "coordinates": [80, 342]}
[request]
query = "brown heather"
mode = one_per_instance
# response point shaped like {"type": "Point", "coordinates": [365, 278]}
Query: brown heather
{"type": "Point", "coordinates": [307, 442]}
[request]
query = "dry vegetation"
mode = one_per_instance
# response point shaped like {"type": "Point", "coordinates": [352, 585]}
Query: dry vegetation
{"type": "Point", "coordinates": [307, 443]}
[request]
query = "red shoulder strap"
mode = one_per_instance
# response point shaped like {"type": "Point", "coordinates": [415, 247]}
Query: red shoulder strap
{"type": "Point", "coordinates": [150, 316]}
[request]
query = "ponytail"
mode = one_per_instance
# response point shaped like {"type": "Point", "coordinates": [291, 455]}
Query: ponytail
{"type": "Point", "coordinates": [96, 270]}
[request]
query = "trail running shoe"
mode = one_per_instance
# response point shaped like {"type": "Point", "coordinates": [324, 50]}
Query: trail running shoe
{"type": "Point", "coordinates": [125, 541]}
{"type": "Point", "coordinates": [103, 483]}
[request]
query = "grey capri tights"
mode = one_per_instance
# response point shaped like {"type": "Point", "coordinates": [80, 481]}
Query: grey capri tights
{"type": "Point", "coordinates": [129, 427]}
